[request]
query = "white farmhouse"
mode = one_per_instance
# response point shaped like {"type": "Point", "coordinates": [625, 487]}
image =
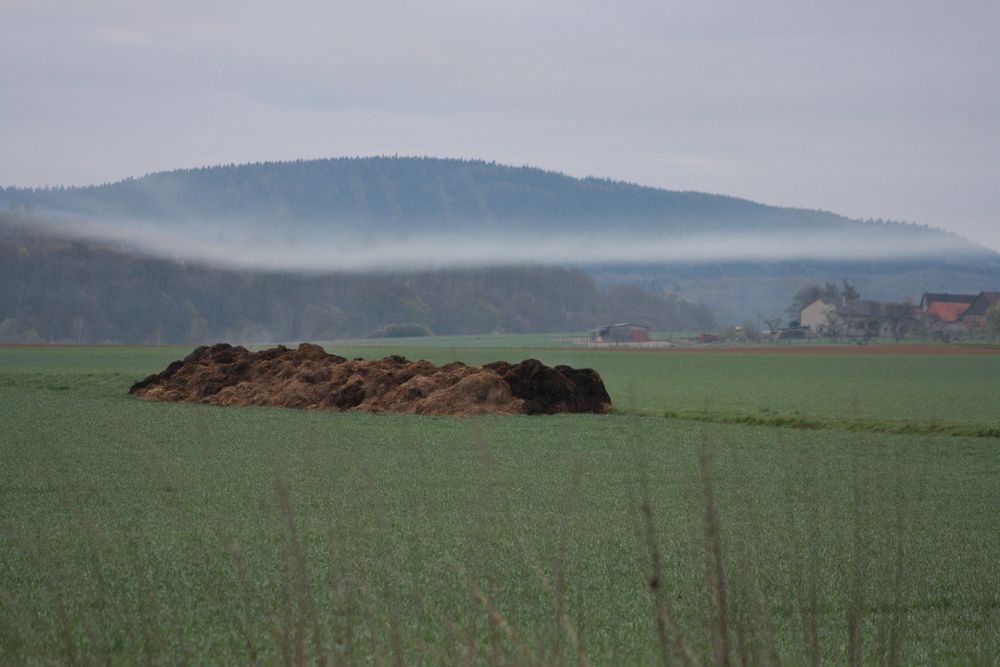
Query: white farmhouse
{"type": "Point", "coordinates": [817, 315]}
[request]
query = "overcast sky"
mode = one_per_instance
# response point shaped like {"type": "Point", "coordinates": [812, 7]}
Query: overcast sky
{"type": "Point", "coordinates": [887, 109]}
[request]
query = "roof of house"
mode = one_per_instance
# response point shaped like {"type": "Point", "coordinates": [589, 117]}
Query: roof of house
{"type": "Point", "coordinates": [947, 311]}
{"type": "Point", "coordinates": [617, 326]}
{"type": "Point", "coordinates": [856, 308]}
{"type": "Point", "coordinates": [982, 303]}
{"type": "Point", "coordinates": [930, 298]}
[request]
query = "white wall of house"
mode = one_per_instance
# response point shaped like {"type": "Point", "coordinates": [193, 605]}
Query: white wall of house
{"type": "Point", "coordinates": [816, 315]}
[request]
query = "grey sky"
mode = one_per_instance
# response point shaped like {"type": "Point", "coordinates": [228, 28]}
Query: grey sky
{"type": "Point", "coordinates": [887, 109]}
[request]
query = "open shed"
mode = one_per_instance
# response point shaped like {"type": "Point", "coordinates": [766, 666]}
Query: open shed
{"type": "Point", "coordinates": [625, 332]}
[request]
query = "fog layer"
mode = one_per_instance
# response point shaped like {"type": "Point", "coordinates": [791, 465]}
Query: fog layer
{"type": "Point", "coordinates": [260, 249]}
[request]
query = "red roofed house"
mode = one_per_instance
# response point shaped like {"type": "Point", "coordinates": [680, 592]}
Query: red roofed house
{"type": "Point", "coordinates": [944, 309]}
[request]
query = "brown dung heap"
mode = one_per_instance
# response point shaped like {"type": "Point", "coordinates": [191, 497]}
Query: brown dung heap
{"type": "Point", "coordinates": [310, 378]}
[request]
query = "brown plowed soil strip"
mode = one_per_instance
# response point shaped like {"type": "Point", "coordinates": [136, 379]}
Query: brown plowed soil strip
{"type": "Point", "coordinates": [901, 349]}
{"type": "Point", "coordinates": [310, 378]}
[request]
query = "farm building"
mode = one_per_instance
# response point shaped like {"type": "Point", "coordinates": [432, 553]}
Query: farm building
{"type": "Point", "coordinates": [625, 332]}
{"type": "Point", "coordinates": [945, 308]}
{"type": "Point", "coordinates": [974, 317]}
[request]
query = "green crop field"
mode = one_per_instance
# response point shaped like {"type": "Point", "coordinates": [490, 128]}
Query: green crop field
{"type": "Point", "coordinates": [850, 516]}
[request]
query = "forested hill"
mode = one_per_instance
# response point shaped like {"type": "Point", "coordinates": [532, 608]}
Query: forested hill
{"type": "Point", "coordinates": [389, 194]}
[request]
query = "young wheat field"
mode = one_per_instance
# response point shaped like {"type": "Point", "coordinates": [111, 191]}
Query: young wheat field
{"type": "Point", "coordinates": [735, 508]}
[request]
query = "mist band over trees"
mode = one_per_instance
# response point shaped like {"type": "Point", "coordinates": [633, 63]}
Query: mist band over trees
{"type": "Point", "coordinates": [70, 291]}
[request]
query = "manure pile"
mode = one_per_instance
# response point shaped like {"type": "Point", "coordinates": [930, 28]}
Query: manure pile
{"type": "Point", "coordinates": [310, 378]}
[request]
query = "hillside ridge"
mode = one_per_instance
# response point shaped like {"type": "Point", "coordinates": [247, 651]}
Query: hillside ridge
{"type": "Point", "coordinates": [391, 194]}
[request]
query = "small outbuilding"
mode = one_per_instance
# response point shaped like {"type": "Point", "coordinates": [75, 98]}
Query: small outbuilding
{"type": "Point", "coordinates": [625, 332]}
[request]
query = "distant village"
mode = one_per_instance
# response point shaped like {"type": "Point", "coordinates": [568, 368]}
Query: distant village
{"type": "Point", "coordinates": [843, 314]}
{"type": "Point", "coordinates": [939, 315]}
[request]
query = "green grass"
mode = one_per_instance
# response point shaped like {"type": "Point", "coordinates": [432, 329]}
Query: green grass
{"type": "Point", "coordinates": [134, 531]}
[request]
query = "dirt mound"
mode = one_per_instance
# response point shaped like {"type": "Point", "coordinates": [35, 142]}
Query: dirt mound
{"type": "Point", "coordinates": [310, 378]}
